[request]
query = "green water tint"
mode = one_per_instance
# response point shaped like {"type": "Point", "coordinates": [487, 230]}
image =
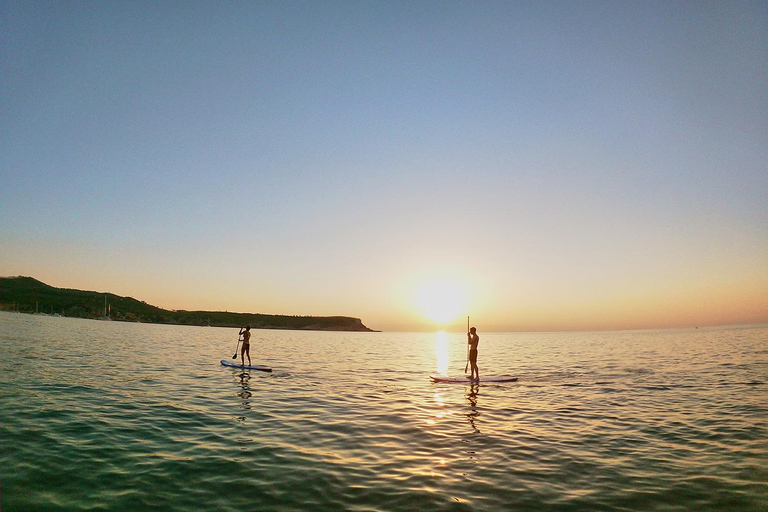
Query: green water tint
{"type": "Point", "coordinates": [110, 416]}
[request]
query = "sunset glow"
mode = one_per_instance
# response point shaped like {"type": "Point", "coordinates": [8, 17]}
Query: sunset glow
{"type": "Point", "coordinates": [535, 166]}
{"type": "Point", "coordinates": [441, 300]}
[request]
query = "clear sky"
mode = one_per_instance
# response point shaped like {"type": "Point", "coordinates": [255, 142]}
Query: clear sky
{"type": "Point", "coordinates": [536, 165]}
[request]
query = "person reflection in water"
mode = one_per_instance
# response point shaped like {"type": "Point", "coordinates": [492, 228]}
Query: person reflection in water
{"type": "Point", "coordinates": [473, 339]}
{"type": "Point", "coordinates": [245, 393]}
{"type": "Point", "coordinates": [245, 332]}
{"type": "Point", "coordinates": [472, 398]}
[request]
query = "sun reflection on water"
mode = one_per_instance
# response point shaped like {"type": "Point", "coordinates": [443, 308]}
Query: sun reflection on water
{"type": "Point", "coordinates": [441, 352]}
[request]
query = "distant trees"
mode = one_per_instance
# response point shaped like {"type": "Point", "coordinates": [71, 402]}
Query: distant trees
{"type": "Point", "coordinates": [27, 295]}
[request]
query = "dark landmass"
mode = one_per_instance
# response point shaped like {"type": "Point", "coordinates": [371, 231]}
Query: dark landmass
{"type": "Point", "coordinates": [28, 295]}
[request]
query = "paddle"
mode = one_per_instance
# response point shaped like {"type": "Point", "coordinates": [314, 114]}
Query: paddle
{"type": "Point", "coordinates": [467, 365]}
{"type": "Point", "coordinates": [239, 339]}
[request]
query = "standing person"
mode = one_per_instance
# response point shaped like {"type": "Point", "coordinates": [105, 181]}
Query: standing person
{"type": "Point", "coordinates": [245, 332]}
{"type": "Point", "coordinates": [473, 339]}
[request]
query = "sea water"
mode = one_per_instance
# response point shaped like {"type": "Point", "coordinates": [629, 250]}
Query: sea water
{"type": "Point", "coordinates": [98, 415]}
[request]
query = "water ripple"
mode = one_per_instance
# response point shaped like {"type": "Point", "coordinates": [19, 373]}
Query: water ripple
{"type": "Point", "coordinates": [660, 420]}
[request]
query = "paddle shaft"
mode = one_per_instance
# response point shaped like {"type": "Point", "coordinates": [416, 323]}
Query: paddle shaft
{"type": "Point", "coordinates": [467, 365]}
{"type": "Point", "coordinates": [239, 339]}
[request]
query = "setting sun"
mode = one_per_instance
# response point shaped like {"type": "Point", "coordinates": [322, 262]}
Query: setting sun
{"type": "Point", "coordinates": [440, 300]}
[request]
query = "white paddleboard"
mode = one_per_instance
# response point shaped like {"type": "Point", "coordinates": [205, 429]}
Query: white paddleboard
{"type": "Point", "coordinates": [467, 380]}
{"type": "Point", "coordinates": [246, 367]}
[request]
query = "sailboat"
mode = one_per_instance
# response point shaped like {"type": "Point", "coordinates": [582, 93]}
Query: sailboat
{"type": "Point", "coordinates": [107, 311]}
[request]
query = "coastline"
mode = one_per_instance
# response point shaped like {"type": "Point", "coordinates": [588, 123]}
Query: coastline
{"type": "Point", "coordinates": [30, 296]}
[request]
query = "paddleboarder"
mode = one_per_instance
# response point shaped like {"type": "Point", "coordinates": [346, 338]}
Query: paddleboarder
{"type": "Point", "coordinates": [473, 339]}
{"type": "Point", "coordinates": [245, 333]}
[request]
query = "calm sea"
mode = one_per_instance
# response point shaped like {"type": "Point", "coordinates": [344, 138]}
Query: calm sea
{"type": "Point", "coordinates": [131, 417]}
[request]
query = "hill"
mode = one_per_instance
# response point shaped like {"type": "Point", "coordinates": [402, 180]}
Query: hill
{"type": "Point", "coordinates": [28, 295]}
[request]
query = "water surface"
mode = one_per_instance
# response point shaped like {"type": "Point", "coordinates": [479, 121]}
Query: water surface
{"type": "Point", "coordinates": [117, 416]}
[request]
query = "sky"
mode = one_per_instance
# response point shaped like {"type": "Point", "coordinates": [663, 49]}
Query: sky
{"type": "Point", "coordinates": [533, 165]}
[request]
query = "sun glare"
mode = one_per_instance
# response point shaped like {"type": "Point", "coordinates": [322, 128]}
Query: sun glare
{"type": "Point", "coordinates": [441, 352]}
{"type": "Point", "coordinates": [440, 300]}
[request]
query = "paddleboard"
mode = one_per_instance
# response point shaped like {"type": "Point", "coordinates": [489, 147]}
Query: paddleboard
{"type": "Point", "coordinates": [467, 380]}
{"type": "Point", "coordinates": [246, 367]}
